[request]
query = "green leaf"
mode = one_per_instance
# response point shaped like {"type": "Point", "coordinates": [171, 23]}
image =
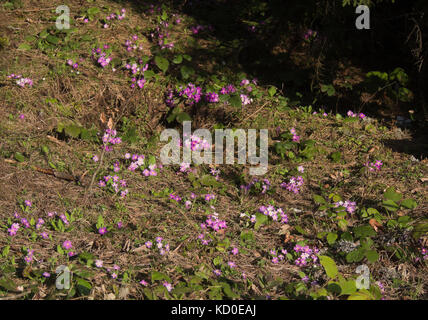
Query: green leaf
{"type": "Point", "coordinates": [390, 205]}
{"type": "Point", "coordinates": [420, 229]}
{"type": "Point", "coordinates": [409, 204]}
{"type": "Point", "coordinates": [228, 291]}
{"type": "Point", "coordinates": [162, 63]}
{"type": "Point", "coordinates": [372, 256]}
{"type": "Point", "coordinates": [272, 91]}
{"type": "Point", "coordinates": [334, 288]}
{"type": "Point", "coordinates": [19, 157]}
{"type": "Point", "coordinates": [391, 194]}
{"type": "Point", "coordinates": [331, 238]}
{"type": "Point", "coordinates": [148, 75]}
{"type": "Point", "coordinates": [362, 294]}
{"type": "Point", "coordinates": [24, 46]}
{"type": "Point", "coordinates": [318, 199]}
{"type": "Point", "coordinates": [261, 219]}
{"type": "Point", "coordinates": [182, 116]}
{"type": "Point", "coordinates": [355, 256]}
{"type": "Point", "coordinates": [329, 266]}
{"type": "Point", "coordinates": [364, 231]}
{"type": "Point", "coordinates": [187, 57]}
{"type": "Point", "coordinates": [52, 39]}
{"type": "Point", "coordinates": [348, 287]}
{"type": "Point", "coordinates": [178, 59]}
{"type": "Point", "coordinates": [159, 276]}
{"type": "Point", "coordinates": [93, 11]}
{"type": "Point", "coordinates": [83, 286]}
{"type": "Point", "coordinates": [186, 71]}
{"type": "Point", "coordinates": [235, 101]}
{"type": "Point", "coordinates": [73, 130]}
{"type": "Point", "coordinates": [336, 156]}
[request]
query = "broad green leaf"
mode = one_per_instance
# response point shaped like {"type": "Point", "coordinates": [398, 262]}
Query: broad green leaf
{"type": "Point", "coordinates": [235, 101]}
{"type": "Point", "coordinates": [372, 256]}
{"type": "Point", "coordinates": [24, 46]}
{"type": "Point", "coordinates": [83, 286]}
{"type": "Point", "coordinates": [272, 91]}
{"type": "Point", "coordinates": [318, 199]}
{"type": "Point", "coordinates": [348, 287]}
{"type": "Point", "coordinates": [390, 205]}
{"type": "Point", "coordinates": [362, 294]}
{"type": "Point", "coordinates": [19, 157]}
{"type": "Point", "coordinates": [391, 194]}
{"type": "Point", "coordinates": [409, 204]}
{"type": "Point", "coordinates": [355, 255]}
{"type": "Point", "coordinates": [162, 63]}
{"type": "Point", "coordinates": [186, 71]}
{"type": "Point", "coordinates": [331, 238]}
{"type": "Point", "coordinates": [178, 59]}
{"type": "Point", "coordinates": [159, 276]}
{"type": "Point", "coordinates": [329, 266]}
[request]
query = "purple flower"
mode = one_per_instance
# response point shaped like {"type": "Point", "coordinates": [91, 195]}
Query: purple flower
{"type": "Point", "coordinates": [67, 244]}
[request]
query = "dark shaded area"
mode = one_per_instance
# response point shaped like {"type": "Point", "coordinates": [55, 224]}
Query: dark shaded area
{"type": "Point", "coordinates": [263, 39]}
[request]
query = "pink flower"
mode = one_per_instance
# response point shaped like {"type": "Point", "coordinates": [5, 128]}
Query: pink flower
{"type": "Point", "coordinates": [67, 244]}
{"type": "Point", "coordinates": [167, 285]}
{"type": "Point", "coordinates": [144, 283]}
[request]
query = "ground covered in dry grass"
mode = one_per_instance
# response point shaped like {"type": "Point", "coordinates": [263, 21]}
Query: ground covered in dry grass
{"type": "Point", "coordinates": [82, 184]}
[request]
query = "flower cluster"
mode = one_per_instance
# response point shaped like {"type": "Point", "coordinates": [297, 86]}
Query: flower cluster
{"type": "Point", "coordinates": [114, 16]}
{"type": "Point", "coordinates": [245, 83]}
{"type": "Point", "coordinates": [245, 99]}
{"type": "Point", "coordinates": [214, 223]}
{"type": "Point", "coordinates": [169, 99]}
{"type": "Point", "coordinates": [424, 252]}
{"type": "Point", "coordinates": [305, 255]}
{"type": "Point", "coordinates": [114, 271]}
{"type": "Point", "coordinates": [277, 257]}
{"type": "Point", "coordinates": [195, 143]}
{"type": "Point", "coordinates": [160, 35]}
{"type": "Point", "coordinates": [13, 229]}
{"type": "Point", "coordinates": [163, 248]}
{"type": "Point", "coordinates": [208, 197]}
{"type": "Point", "coordinates": [294, 184]}
{"type": "Point", "coordinates": [133, 44]}
{"type": "Point", "coordinates": [109, 138]}
{"type": "Point", "coordinates": [30, 256]}
{"type": "Point", "coordinates": [348, 205]}
{"type": "Point", "coordinates": [374, 166]}
{"type": "Point", "coordinates": [74, 65]}
{"type": "Point", "coordinates": [174, 197]}
{"type": "Point", "coordinates": [310, 35]}
{"type": "Point", "coordinates": [115, 183]}
{"type": "Point", "coordinates": [196, 29]}
{"type": "Point", "coordinates": [211, 97]}
{"type": "Point", "coordinates": [202, 237]}
{"type": "Point", "coordinates": [191, 93]}
{"type": "Point", "coordinates": [275, 214]}
{"type": "Point", "coordinates": [151, 170]}
{"type": "Point", "coordinates": [215, 172]}
{"type": "Point", "coordinates": [296, 138]}
{"type": "Point", "coordinates": [137, 161]}
{"type": "Point", "coordinates": [257, 185]}
{"type": "Point", "coordinates": [228, 89]}
{"type": "Point", "coordinates": [353, 115]}
{"type": "Point", "coordinates": [137, 73]}
{"type": "Point", "coordinates": [101, 57]}
{"type": "Point", "coordinates": [21, 81]}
